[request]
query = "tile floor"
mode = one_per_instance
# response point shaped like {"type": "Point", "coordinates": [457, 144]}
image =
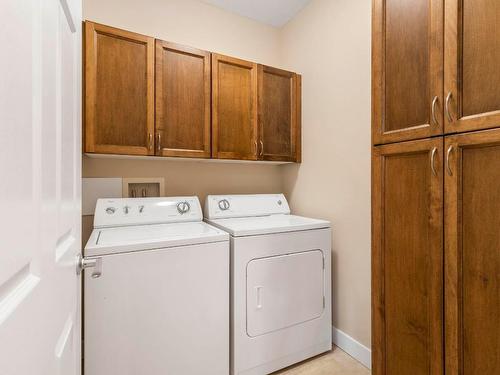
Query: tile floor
{"type": "Point", "coordinates": [335, 362]}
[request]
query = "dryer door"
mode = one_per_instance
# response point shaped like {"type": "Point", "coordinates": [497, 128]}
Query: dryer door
{"type": "Point", "coordinates": [284, 290]}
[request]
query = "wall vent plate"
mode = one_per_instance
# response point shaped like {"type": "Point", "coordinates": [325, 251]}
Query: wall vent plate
{"type": "Point", "coordinates": [143, 187]}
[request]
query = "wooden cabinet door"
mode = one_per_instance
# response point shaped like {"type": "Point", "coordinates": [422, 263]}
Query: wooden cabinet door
{"type": "Point", "coordinates": [407, 258]}
{"type": "Point", "coordinates": [119, 91]}
{"type": "Point", "coordinates": [234, 108]}
{"type": "Point", "coordinates": [279, 122]}
{"type": "Point", "coordinates": [472, 253]}
{"type": "Point", "coordinates": [472, 61]}
{"type": "Point", "coordinates": [182, 101]}
{"type": "Point", "coordinates": [407, 70]}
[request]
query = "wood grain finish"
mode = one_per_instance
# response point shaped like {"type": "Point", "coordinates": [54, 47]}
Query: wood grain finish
{"type": "Point", "coordinates": [472, 254]}
{"type": "Point", "coordinates": [183, 105]}
{"type": "Point", "coordinates": [407, 69]}
{"type": "Point", "coordinates": [234, 108]}
{"type": "Point", "coordinates": [472, 58]}
{"type": "Point", "coordinates": [119, 91]}
{"type": "Point", "coordinates": [278, 114]}
{"type": "Point", "coordinates": [407, 259]}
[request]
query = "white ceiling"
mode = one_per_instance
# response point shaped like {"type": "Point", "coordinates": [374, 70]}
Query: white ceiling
{"type": "Point", "coordinates": [272, 12]}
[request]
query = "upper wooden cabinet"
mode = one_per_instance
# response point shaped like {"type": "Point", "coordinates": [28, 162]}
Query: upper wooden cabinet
{"type": "Point", "coordinates": [182, 101]}
{"type": "Point", "coordinates": [150, 97]}
{"type": "Point", "coordinates": [119, 91]}
{"type": "Point", "coordinates": [279, 114]}
{"type": "Point", "coordinates": [472, 61]}
{"type": "Point", "coordinates": [407, 70]}
{"type": "Point", "coordinates": [234, 108]}
{"type": "Point", "coordinates": [407, 258]}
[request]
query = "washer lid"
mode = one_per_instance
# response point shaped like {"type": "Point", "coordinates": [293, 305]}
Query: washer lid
{"type": "Point", "coordinates": [250, 226]}
{"type": "Point", "coordinates": [105, 241]}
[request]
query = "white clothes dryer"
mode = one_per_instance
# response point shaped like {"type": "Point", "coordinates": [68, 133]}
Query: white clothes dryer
{"type": "Point", "coordinates": [280, 281]}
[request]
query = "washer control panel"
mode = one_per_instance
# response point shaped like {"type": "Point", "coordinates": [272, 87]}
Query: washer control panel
{"type": "Point", "coordinates": [141, 211]}
{"type": "Point", "coordinates": [228, 206]}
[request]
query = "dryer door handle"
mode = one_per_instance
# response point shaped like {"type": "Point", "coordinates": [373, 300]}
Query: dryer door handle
{"type": "Point", "coordinates": [258, 294]}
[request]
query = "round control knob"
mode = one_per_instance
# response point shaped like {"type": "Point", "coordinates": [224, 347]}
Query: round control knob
{"type": "Point", "coordinates": [224, 204]}
{"type": "Point", "coordinates": [110, 210]}
{"type": "Point", "coordinates": [183, 207]}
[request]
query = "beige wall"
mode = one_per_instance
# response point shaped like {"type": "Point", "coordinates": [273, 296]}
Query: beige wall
{"type": "Point", "coordinates": [329, 43]}
{"type": "Point", "coordinates": [190, 22]}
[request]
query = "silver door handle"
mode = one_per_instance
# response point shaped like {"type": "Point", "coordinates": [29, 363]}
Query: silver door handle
{"type": "Point", "coordinates": [261, 148]}
{"type": "Point", "coordinates": [434, 102]}
{"type": "Point", "coordinates": [150, 141]}
{"type": "Point", "coordinates": [84, 263]}
{"type": "Point", "coordinates": [448, 168]}
{"type": "Point", "coordinates": [447, 107]}
{"type": "Point", "coordinates": [433, 157]}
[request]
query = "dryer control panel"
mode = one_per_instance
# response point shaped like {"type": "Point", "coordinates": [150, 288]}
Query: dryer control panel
{"type": "Point", "coordinates": [230, 206]}
{"type": "Point", "coordinates": [115, 212]}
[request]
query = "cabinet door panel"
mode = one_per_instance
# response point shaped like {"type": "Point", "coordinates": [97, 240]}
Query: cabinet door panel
{"type": "Point", "coordinates": [182, 101]}
{"type": "Point", "coordinates": [472, 254]}
{"type": "Point", "coordinates": [278, 120]}
{"type": "Point", "coordinates": [407, 69]}
{"type": "Point", "coordinates": [119, 91]}
{"type": "Point", "coordinates": [234, 105]}
{"type": "Point", "coordinates": [407, 258]}
{"type": "Point", "coordinates": [472, 58]}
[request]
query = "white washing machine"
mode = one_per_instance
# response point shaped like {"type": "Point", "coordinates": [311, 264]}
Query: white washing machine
{"type": "Point", "coordinates": [280, 281]}
{"type": "Point", "coordinates": [156, 290]}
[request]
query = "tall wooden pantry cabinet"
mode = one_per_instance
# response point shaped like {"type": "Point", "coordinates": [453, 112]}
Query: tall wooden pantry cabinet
{"type": "Point", "coordinates": [436, 187]}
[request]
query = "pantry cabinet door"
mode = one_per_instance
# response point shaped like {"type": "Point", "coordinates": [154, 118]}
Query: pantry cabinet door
{"type": "Point", "coordinates": [234, 108]}
{"type": "Point", "coordinates": [119, 91]}
{"type": "Point", "coordinates": [407, 70]}
{"type": "Point", "coordinates": [472, 251]}
{"type": "Point", "coordinates": [279, 123]}
{"type": "Point", "coordinates": [182, 101]}
{"type": "Point", "coordinates": [407, 258]}
{"type": "Point", "coordinates": [472, 61]}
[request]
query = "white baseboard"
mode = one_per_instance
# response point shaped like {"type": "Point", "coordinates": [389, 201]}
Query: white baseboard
{"type": "Point", "coordinates": [352, 347]}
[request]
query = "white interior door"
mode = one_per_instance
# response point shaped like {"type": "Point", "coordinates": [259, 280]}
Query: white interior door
{"type": "Point", "coordinates": [40, 158]}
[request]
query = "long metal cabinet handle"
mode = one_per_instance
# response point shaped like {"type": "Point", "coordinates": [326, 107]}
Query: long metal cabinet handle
{"type": "Point", "coordinates": [150, 141]}
{"type": "Point", "coordinates": [447, 106]}
{"type": "Point", "coordinates": [261, 148]}
{"type": "Point", "coordinates": [450, 149]}
{"type": "Point", "coordinates": [158, 146]}
{"type": "Point", "coordinates": [433, 157]}
{"type": "Point", "coordinates": [434, 102]}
